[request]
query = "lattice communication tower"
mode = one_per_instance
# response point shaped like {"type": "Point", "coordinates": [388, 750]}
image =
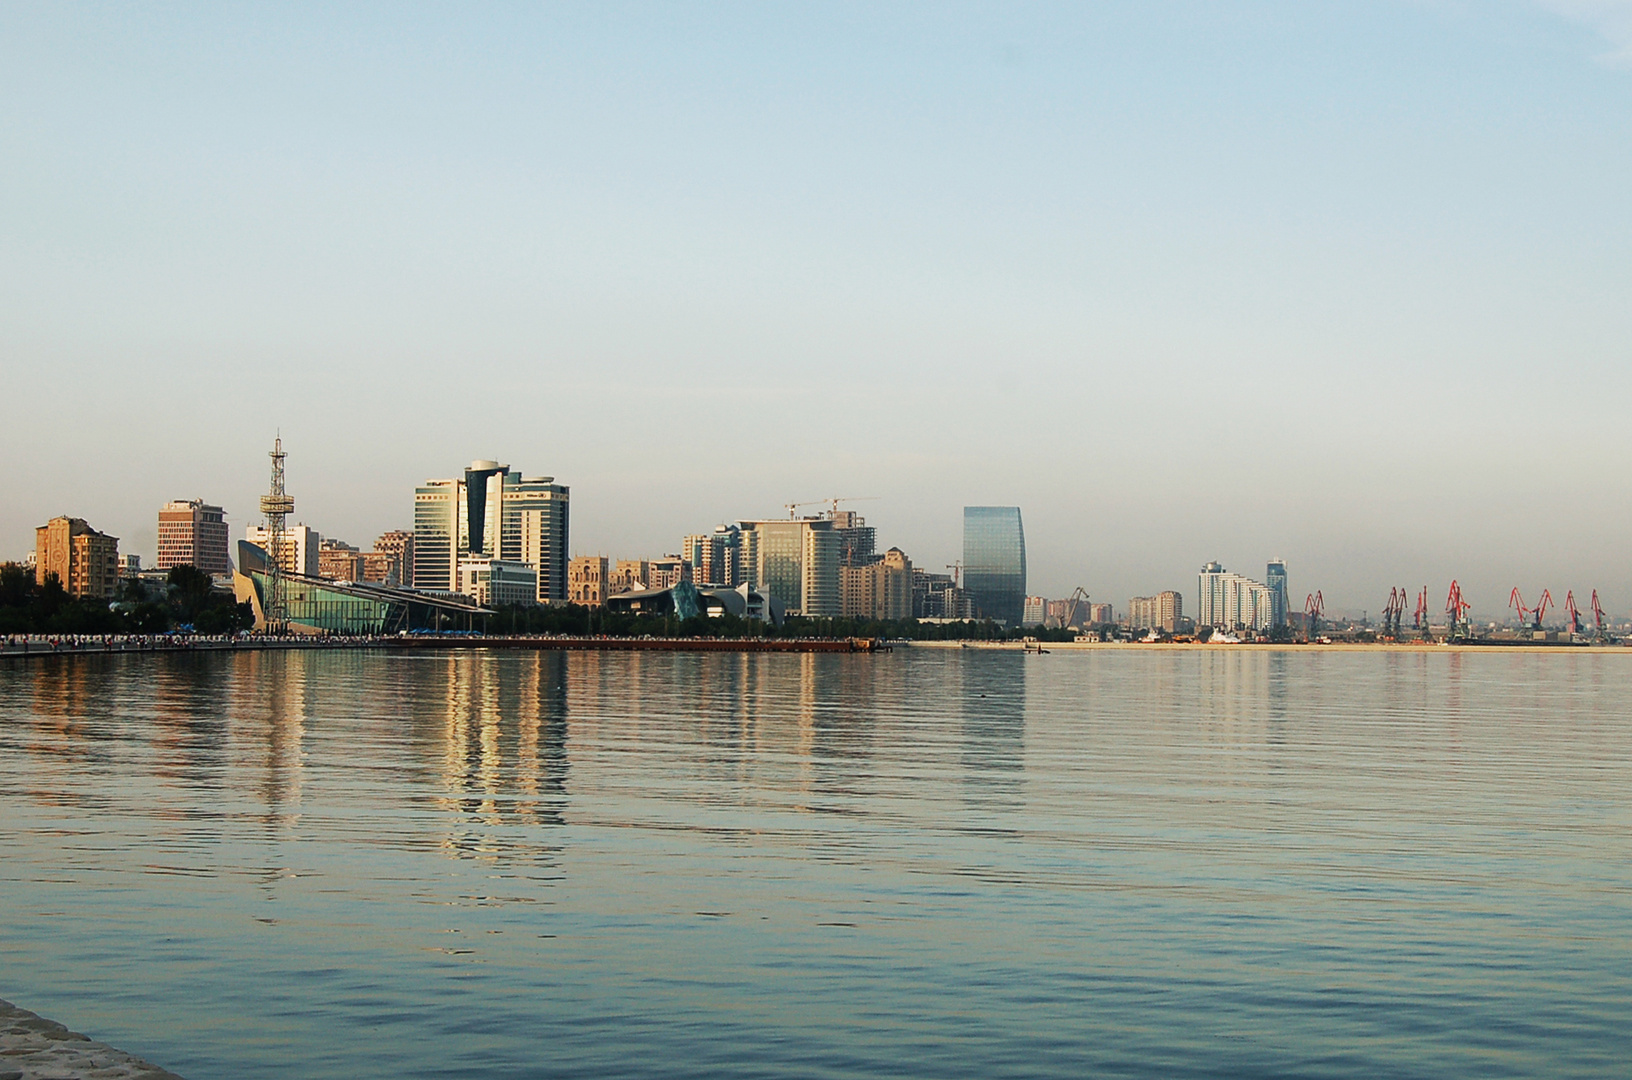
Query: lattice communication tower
{"type": "Point", "coordinates": [277, 505]}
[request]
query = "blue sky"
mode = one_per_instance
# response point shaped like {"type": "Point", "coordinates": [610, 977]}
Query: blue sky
{"type": "Point", "coordinates": [1349, 284]}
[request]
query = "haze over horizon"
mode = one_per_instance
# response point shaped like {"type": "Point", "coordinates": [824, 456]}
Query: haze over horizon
{"type": "Point", "coordinates": [1346, 284]}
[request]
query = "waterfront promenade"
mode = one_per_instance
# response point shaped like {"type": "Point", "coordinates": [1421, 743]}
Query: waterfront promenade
{"type": "Point", "coordinates": [39, 645]}
{"type": "Point", "coordinates": [34, 1048]}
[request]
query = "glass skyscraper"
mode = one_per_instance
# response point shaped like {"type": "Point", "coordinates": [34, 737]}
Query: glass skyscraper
{"type": "Point", "coordinates": [994, 562]}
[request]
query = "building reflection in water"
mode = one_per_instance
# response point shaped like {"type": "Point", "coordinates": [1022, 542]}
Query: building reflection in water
{"type": "Point", "coordinates": [991, 690]}
{"type": "Point", "coordinates": [273, 697]}
{"type": "Point", "coordinates": [496, 728]}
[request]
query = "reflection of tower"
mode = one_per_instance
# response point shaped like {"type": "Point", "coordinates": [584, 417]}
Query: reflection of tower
{"type": "Point", "coordinates": [276, 505]}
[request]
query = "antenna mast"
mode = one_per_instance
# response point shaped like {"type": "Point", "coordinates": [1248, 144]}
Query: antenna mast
{"type": "Point", "coordinates": [277, 505]}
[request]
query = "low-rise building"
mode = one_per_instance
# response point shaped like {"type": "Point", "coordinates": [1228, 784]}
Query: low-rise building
{"type": "Point", "coordinates": [338, 560]}
{"type": "Point", "coordinates": [667, 572]}
{"type": "Point", "coordinates": [588, 577]}
{"type": "Point", "coordinates": [498, 582]}
{"type": "Point", "coordinates": [85, 561]}
{"type": "Point", "coordinates": [629, 575]}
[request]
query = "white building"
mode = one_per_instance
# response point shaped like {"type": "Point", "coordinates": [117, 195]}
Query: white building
{"type": "Point", "coordinates": [1233, 601]}
{"type": "Point", "coordinates": [498, 582]}
{"type": "Point", "coordinates": [1035, 611]}
{"type": "Point", "coordinates": [298, 549]}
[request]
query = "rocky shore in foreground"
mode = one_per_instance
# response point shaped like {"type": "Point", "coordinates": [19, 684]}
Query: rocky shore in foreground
{"type": "Point", "coordinates": [34, 1048]}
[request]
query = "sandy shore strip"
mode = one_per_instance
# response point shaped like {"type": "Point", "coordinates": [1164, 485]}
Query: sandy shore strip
{"type": "Point", "coordinates": [34, 1048]}
{"type": "Point", "coordinates": [1200, 646]}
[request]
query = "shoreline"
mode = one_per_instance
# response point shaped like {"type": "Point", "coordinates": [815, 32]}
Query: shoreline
{"type": "Point", "coordinates": [1248, 646]}
{"type": "Point", "coordinates": [34, 1048]}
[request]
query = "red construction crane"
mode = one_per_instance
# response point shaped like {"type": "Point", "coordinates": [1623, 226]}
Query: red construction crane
{"type": "Point", "coordinates": [1573, 612]}
{"type": "Point", "coordinates": [1597, 615]}
{"type": "Point", "coordinates": [1517, 603]}
{"type": "Point", "coordinates": [1541, 608]}
{"type": "Point", "coordinates": [1419, 621]}
{"type": "Point", "coordinates": [1456, 610]}
{"type": "Point", "coordinates": [1314, 606]}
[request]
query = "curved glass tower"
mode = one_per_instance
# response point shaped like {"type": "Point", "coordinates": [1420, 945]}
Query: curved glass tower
{"type": "Point", "coordinates": [994, 561]}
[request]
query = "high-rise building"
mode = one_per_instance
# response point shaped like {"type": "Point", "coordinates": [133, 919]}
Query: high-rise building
{"type": "Point", "coordinates": [491, 512]}
{"type": "Point", "coordinates": [877, 590]}
{"type": "Point", "coordinates": [1164, 611]}
{"type": "Point", "coordinates": [1100, 614]}
{"type": "Point", "coordinates": [794, 561]}
{"type": "Point", "coordinates": [1275, 578]}
{"type": "Point", "coordinates": [1233, 601]}
{"type": "Point", "coordinates": [715, 558]}
{"type": "Point", "coordinates": [193, 533]}
{"type": "Point", "coordinates": [85, 561]}
{"type": "Point", "coordinates": [587, 580]}
{"type": "Point", "coordinates": [1035, 611]}
{"type": "Point", "coordinates": [856, 537]}
{"type": "Point", "coordinates": [934, 596]}
{"type": "Point", "coordinates": [298, 550]}
{"type": "Point", "coordinates": [498, 582]}
{"type": "Point", "coordinates": [398, 546]}
{"type": "Point", "coordinates": [994, 562]}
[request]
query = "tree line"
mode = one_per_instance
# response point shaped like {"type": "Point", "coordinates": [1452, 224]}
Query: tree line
{"type": "Point", "coordinates": [184, 601]}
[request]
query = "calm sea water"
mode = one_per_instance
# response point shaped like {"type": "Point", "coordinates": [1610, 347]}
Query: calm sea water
{"type": "Point", "coordinates": [926, 863]}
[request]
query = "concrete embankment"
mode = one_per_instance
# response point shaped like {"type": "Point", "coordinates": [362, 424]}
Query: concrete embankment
{"type": "Point", "coordinates": [34, 1048]}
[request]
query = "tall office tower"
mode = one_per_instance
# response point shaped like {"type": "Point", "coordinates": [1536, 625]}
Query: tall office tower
{"type": "Point", "coordinates": [994, 562]}
{"type": "Point", "coordinates": [297, 550]}
{"type": "Point", "coordinates": [193, 533]}
{"type": "Point", "coordinates": [85, 561]}
{"type": "Point", "coordinates": [491, 512]}
{"type": "Point", "coordinates": [1275, 578]}
{"type": "Point", "coordinates": [856, 538]}
{"type": "Point", "coordinates": [398, 544]}
{"type": "Point", "coordinates": [716, 557]}
{"type": "Point", "coordinates": [794, 561]}
{"type": "Point", "coordinates": [1233, 601]}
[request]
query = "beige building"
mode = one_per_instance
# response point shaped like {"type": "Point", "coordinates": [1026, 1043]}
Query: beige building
{"type": "Point", "coordinates": [796, 561]}
{"type": "Point", "coordinates": [399, 545]}
{"type": "Point", "coordinates": [880, 590]}
{"type": "Point", "coordinates": [667, 572]}
{"type": "Point", "coordinates": [338, 560]}
{"type": "Point", "coordinates": [193, 533]}
{"type": "Point", "coordinates": [587, 580]}
{"type": "Point", "coordinates": [84, 560]}
{"type": "Point", "coordinates": [1160, 612]}
{"type": "Point", "coordinates": [629, 575]}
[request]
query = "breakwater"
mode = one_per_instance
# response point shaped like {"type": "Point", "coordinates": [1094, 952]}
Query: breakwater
{"type": "Point", "coordinates": [34, 1048]}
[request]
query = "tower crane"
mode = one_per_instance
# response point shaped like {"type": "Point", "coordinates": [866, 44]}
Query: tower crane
{"type": "Point", "coordinates": [831, 502]}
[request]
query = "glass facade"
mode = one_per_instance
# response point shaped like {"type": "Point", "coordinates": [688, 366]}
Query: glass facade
{"type": "Point", "coordinates": [1276, 580]}
{"type": "Point", "coordinates": [994, 562]}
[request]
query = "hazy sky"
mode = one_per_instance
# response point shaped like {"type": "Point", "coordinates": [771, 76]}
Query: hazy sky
{"type": "Point", "coordinates": [1346, 283]}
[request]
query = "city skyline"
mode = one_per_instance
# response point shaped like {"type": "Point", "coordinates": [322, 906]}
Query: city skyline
{"type": "Point", "coordinates": [1343, 283]}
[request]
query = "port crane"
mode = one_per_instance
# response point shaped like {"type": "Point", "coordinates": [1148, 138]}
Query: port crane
{"type": "Point", "coordinates": [1573, 612]}
{"type": "Point", "coordinates": [1598, 620]}
{"type": "Point", "coordinates": [1419, 619]}
{"type": "Point", "coordinates": [1394, 614]}
{"type": "Point", "coordinates": [1456, 613]}
{"type": "Point", "coordinates": [1076, 610]}
{"type": "Point", "coordinates": [1314, 606]}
